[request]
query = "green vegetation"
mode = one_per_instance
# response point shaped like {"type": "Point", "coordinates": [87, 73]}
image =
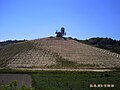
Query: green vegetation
{"type": "Point", "coordinates": [13, 86]}
{"type": "Point", "coordinates": [75, 80]}
{"type": "Point", "coordinates": [61, 62]}
{"type": "Point", "coordinates": [60, 80]}
{"type": "Point", "coordinates": [11, 42]}
{"type": "Point", "coordinates": [104, 43]}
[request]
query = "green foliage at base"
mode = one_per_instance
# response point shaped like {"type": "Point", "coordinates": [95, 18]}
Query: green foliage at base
{"type": "Point", "coordinates": [75, 80]}
{"type": "Point", "coordinates": [13, 86]}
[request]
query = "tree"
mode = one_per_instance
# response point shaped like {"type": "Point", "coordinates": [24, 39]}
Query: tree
{"type": "Point", "coordinates": [61, 33]}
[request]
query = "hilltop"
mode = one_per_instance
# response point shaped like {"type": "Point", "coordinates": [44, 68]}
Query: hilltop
{"type": "Point", "coordinates": [56, 52]}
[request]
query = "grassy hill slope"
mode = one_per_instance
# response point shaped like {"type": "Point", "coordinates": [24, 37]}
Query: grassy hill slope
{"type": "Point", "coordinates": [56, 53]}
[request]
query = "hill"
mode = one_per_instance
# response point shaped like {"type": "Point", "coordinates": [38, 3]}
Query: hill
{"type": "Point", "coordinates": [104, 43]}
{"type": "Point", "coordinates": [57, 52]}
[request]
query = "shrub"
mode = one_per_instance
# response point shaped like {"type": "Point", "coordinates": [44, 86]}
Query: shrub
{"type": "Point", "coordinates": [13, 86]}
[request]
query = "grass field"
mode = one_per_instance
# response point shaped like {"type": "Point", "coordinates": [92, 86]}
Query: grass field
{"type": "Point", "coordinates": [60, 80]}
{"type": "Point", "coordinates": [75, 80]}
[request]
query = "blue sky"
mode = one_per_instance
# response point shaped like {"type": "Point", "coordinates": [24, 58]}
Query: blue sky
{"type": "Point", "coordinates": [82, 19]}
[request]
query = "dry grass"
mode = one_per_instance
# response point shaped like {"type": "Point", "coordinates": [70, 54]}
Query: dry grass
{"type": "Point", "coordinates": [57, 53]}
{"type": "Point", "coordinates": [81, 53]}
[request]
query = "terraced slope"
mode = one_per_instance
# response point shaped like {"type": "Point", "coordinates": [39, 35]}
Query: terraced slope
{"type": "Point", "coordinates": [56, 53]}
